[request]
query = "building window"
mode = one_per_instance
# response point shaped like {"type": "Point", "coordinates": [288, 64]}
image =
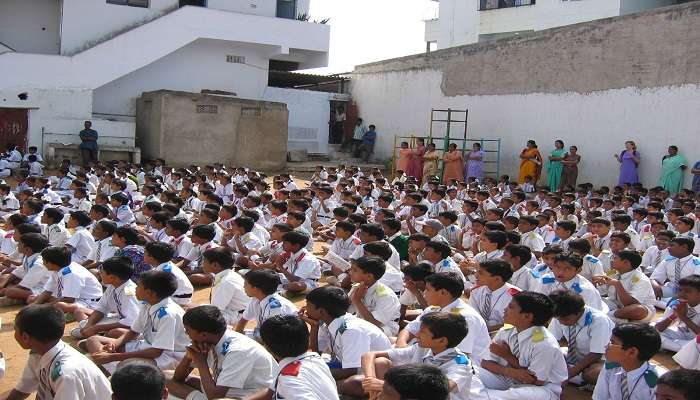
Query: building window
{"type": "Point", "coordinates": [287, 9]}
{"type": "Point", "coordinates": [494, 4]}
{"type": "Point", "coordinates": [133, 3]}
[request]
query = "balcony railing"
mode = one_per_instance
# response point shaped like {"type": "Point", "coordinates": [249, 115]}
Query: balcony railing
{"type": "Point", "coordinates": [495, 4]}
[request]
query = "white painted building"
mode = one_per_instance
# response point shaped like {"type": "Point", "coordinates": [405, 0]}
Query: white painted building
{"type": "Point", "coordinates": [91, 59]}
{"type": "Point", "coordinates": [463, 22]}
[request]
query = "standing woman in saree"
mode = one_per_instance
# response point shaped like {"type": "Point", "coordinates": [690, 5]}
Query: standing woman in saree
{"type": "Point", "coordinates": [554, 165]}
{"type": "Point", "coordinates": [531, 163]}
{"type": "Point", "coordinates": [415, 165]}
{"type": "Point", "coordinates": [404, 158]}
{"type": "Point", "coordinates": [454, 164]}
{"type": "Point", "coordinates": [672, 167]}
{"type": "Point", "coordinates": [430, 162]}
{"type": "Point", "coordinates": [475, 163]}
{"type": "Point", "coordinates": [629, 164]}
{"type": "Point", "coordinates": [569, 173]}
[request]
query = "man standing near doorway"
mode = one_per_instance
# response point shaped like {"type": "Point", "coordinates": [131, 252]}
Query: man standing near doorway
{"type": "Point", "coordinates": [366, 148]}
{"type": "Point", "coordinates": [88, 145]}
{"type": "Point", "coordinates": [338, 126]}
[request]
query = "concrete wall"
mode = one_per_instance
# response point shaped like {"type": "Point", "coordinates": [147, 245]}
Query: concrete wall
{"type": "Point", "coordinates": [633, 6]}
{"type": "Point", "coordinates": [239, 132]}
{"type": "Point", "coordinates": [594, 85]}
{"type": "Point", "coordinates": [199, 65]}
{"type": "Point", "coordinates": [30, 26]}
{"type": "Point", "coordinates": [309, 113]}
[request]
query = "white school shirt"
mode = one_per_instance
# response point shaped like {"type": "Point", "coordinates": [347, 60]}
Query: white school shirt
{"type": "Point", "coordinates": [525, 278]}
{"type": "Point", "coordinates": [392, 278]}
{"type": "Point", "coordinates": [8, 245]}
{"type": "Point", "coordinates": [384, 305]}
{"type": "Point", "coordinates": [161, 327]}
{"type": "Point", "coordinates": [688, 356]}
{"type": "Point", "coordinates": [271, 249]}
{"type": "Point", "coordinates": [10, 202]}
{"type": "Point", "coordinates": [634, 236]}
{"type": "Point", "coordinates": [184, 286]}
{"type": "Point", "coordinates": [546, 233]}
{"type": "Point", "coordinates": [638, 286]}
{"type": "Point", "coordinates": [592, 331]}
{"type": "Point", "coordinates": [653, 257]}
{"type": "Point", "coordinates": [57, 234]}
{"type": "Point", "coordinates": [67, 375]}
{"type": "Point", "coordinates": [665, 273]}
{"type": "Point", "coordinates": [80, 204]}
{"type": "Point", "coordinates": [679, 328]}
{"type": "Point", "coordinates": [349, 337]}
{"type": "Point", "coordinates": [449, 265]}
{"type": "Point", "coordinates": [454, 364]}
{"type": "Point", "coordinates": [76, 282]}
{"type": "Point", "coordinates": [304, 265]}
{"type": "Point", "coordinates": [228, 295]}
{"type": "Point", "coordinates": [500, 298]}
{"type": "Point", "coordinates": [548, 283]}
{"type": "Point", "coordinates": [492, 255]}
{"type": "Point", "coordinates": [121, 301]}
{"type": "Point", "coordinates": [477, 340]}
{"type": "Point", "coordinates": [102, 250]}
{"type": "Point", "coordinates": [184, 246]}
{"type": "Point", "coordinates": [304, 377]}
{"type": "Point", "coordinates": [82, 243]}
{"type": "Point", "coordinates": [533, 240]}
{"type": "Point", "coordinates": [195, 254]}
{"type": "Point", "coordinates": [33, 273]}
{"type": "Point", "coordinates": [269, 306]}
{"type": "Point", "coordinates": [250, 241]}
{"type": "Point", "coordinates": [539, 353]}
{"type": "Point", "coordinates": [592, 266]}
{"type": "Point", "coordinates": [345, 247]}
{"type": "Point", "coordinates": [240, 364]}
{"type": "Point", "coordinates": [641, 382]}
{"type": "Point", "coordinates": [276, 219]}
{"type": "Point", "coordinates": [124, 216]}
{"type": "Point", "coordinates": [451, 233]}
{"type": "Point", "coordinates": [324, 217]}
{"type": "Point", "coordinates": [261, 232]}
{"type": "Point", "coordinates": [564, 244]}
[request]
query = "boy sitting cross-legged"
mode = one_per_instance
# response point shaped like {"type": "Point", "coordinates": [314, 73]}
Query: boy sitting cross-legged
{"type": "Point", "coordinates": [492, 294]}
{"type": "Point", "coordinates": [680, 323]}
{"type": "Point", "coordinates": [227, 292]}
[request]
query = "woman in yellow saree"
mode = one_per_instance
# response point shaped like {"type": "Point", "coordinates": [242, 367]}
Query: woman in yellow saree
{"type": "Point", "coordinates": [531, 163]}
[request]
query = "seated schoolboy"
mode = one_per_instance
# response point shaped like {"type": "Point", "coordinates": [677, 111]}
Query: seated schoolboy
{"type": "Point", "coordinates": [54, 370]}
{"type": "Point", "coordinates": [491, 244]}
{"type": "Point", "coordinates": [344, 336]}
{"type": "Point", "coordinates": [267, 255]}
{"type": "Point", "coordinates": [370, 299]}
{"type": "Point", "coordinates": [118, 308]}
{"type": "Point", "coordinates": [565, 275]}
{"type": "Point", "coordinates": [71, 288]}
{"type": "Point", "coordinates": [227, 363]}
{"type": "Point", "coordinates": [202, 240]}
{"type": "Point", "coordinates": [627, 373]}
{"type": "Point", "coordinates": [493, 293]}
{"type": "Point", "coordinates": [104, 249]}
{"type": "Point", "coordinates": [591, 265]}
{"type": "Point", "coordinates": [518, 257]}
{"type": "Point", "coordinates": [122, 213]}
{"type": "Point", "coordinates": [680, 323]}
{"type": "Point", "coordinates": [55, 231]}
{"type": "Point", "coordinates": [160, 255]}
{"type": "Point", "coordinates": [81, 242]}
{"type": "Point", "coordinates": [241, 239]}
{"type": "Point", "coordinates": [227, 293]}
{"type": "Point", "coordinates": [155, 231]}
{"type": "Point", "coordinates": [126, 243]}
{"type": "Point", "coordinates": [177, 228]}
{"type": "Point", "coordinates": [587, 332]}
{"type": "Point", "coordinates": [411, 299]}
{"type": "Point", "coordinates": [630, 295]}
{"type": "Point", "coordinates": [565, 231]}
{"type": "Point", "coordinates": [29, 279]}
{"type": "Point", "coordinates": [392, 278]}
{"type": "Point", "coordinates": [373, 233]}
{"type": "Point", "coordinates": [444, 291]}
{"type": "Point", "coordinates": [416, 382]}
{"type": "Point", "coordinates": [437, 340]}
{"type": "Point", "coordinates": [299, 269]}
{"type": "Point", "coordinates": [439, 253]}
{"type": "Point", "coordinates": [680, 384]}
{"type": "Point", "coordinates": [678, 265]}
{"type": "Point", "coordinates": [157, 333]}
{"type": "Point", "coordinates": [208, 217]}
{"type": "Point", "coordinates": [524, 360]}
{"type": "Point", "coordinates": [688, 356]}
{"type": "Point", "coordinates": [656, 254]}
{"type": "Point", "coordinates": [529, 237]}
{"type": "Point", "coordinates": [138, 380]}
{"type": "Point", "coordinates": [392, 228]}
{"type": "Point", "coordinates": [618, 241]}
{"type": "Point", "coordinates": [301, 373]}
{"type": "Point", "coordinates": [261, 286]}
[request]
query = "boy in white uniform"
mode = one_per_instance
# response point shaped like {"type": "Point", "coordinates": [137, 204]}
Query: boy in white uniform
{"type": "Point", "coordinates": [158, 325]}
{"type": "Point", "coordinates": [444, 292]}
{"type": "Point", "coordinates": [565, 275]}
{"type": "Point", "coordinates": [57, 234]}
{"type": "Point", "coordinates": [54, 370]}
{"type": "Point", "coordinates": [301, 268]}
{"type": "Point", "coordinates": [343, 335]}
{"type": "Point", "coordinates": [681, 321]}
{"type": "Point", "coordinates": [370, 299]}
{"type": "Point", "coordinates": [177, 229]}
{"type": "Point", "coordinates": [160, 255]}
{"type": "Point", "coordinates": [228, 364]}
{"type": "Point", "coordinates": [528, 236]}
{"type": "Point", "coordinates": [81, 242]}
{"type": "Point", "coordinates": [524, 360]}
{"type": "Point", "coordinates": [680, 264]}
{"type": "Point", "coordinates": [71, 287]}
{"type": "Point", "coordinates": [227, 292]}
{"type": "Point", "coordinates": [655, 255]}
{"type": "Point", "coordinates": [301, 374]}
{"type": "Point", "coordinates": [104, 249]}
{"type": "Point", "coordinates": [492, 294]}
{"type": "Point", "coordinates": [27, 280]}
{"type": "Point", "coordinates": [261, 286]}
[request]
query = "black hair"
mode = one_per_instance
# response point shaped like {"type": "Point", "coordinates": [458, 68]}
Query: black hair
{"type": "Point", "coordinates": [346, 226]}
{"type": "Point", "coordinates": [692, 281]}
{"type": "Point", "coordinates": [35, 241]}
{"type": "Point", "coordinates": [179, 224]}
{"type": "Point", "coordinates": [264, 279]}
{"type": "Point", "coordinates": [138, 380]}
{"type": "Point", "coordinates": [371, 265]}
{"type": "Point", "coordinates": [160, 251]}
{"type": "Point", "coordinates": [107, 227]}
{"type": "Point", "coordinates": [519, 251]}
{"type": "Point", "coordinates": [285, 335]}
{"type": "Point", "coordinates": [391, 223]}
{"type": "Point", "coordinates": [246, 223]}
{"type": "Point", "coordinates": [419, 237]}
{"type": "Point", "coordinates": [205, 318]}
{"type": "Point", "coordinates": [379, 249]}
{"type": "Point", "coordinates": [42, 322]}
{"type": "Point", "coordinates": [162, 283]}
{"type": "Point", "coordinates": [332, 299]}
{"type": "Point", "coordinates": [296, 238]}
{"type": "Point", "coordinates": [220, 256]}
{"type": "Point", "coordinates": [566, 302]}
{"type": "Point", "coordinates": [418, 382]}
{"type": "Point", "coordinates": [447, 325]}
{"type": "Point", "coordinates": [81, 217]}
{"type": "Point", "coordinates": [54, 214]}
{"type": "Point", "coordinates": [120, 198]}
{"type": "Point", "coordinates": [35, 205]}
{"type": "Point", "coordinates": [60, 256]}
{"type": "Point", "coordinates": [449, 281]}
{"type": "Point", "coordinates": [497, 237]}
{"type": "Point", "coordinates": [440, 247]}
{"type": "Point", "coordinates": [129, 234]}
{"type": "Point", "coordinates": [630, 256]}
{"type": "Point", "coordinates": [569, 226]}
{"type": "Point", "coordinates": [375, 230]}
{"type": "Point", "coordinates": [498, 268]}
{"type": "Point", "coordinates": [643, 337]}
{"type": "Point", "coordinates": [27, 228]}
{"type": "Point", "coordinates": [161, 217]}
{"type": "Point", "coordinates": [624, 236]}
{"type": "Point", "coordinates": [685, 241]}
{"type": "Point", "coordinates": [100, 209]}
{"type": "Point", "coordinates": [686, 381]}
{"type": "Point", "coordinates": [583, 246]}
{"type": "Point", "coordinates": [419, 271]}
{"type": "Point", "coordinates": [571, 259]}
{"type": "Point", "coordinates": [121, 267]}
{"type": "Point", "coordinates": [17, 219]}
{"type": "Point", "coordinates": [205, 232]}
{"type": "Point", "coordinates": [537, 304]}
{"type": "Point", "coordinates": [211, 213]}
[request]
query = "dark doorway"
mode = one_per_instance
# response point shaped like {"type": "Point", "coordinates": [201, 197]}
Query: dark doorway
{"type": "Point", "coordinates": [287, 9]}
{"type": "Point", "coordinates": [198, 3]}
{"type": "Point", "coordinates": [13, 127]}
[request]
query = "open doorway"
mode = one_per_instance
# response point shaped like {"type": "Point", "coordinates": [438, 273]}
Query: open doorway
{"type": "Point", "coordinates": [197, 3]}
